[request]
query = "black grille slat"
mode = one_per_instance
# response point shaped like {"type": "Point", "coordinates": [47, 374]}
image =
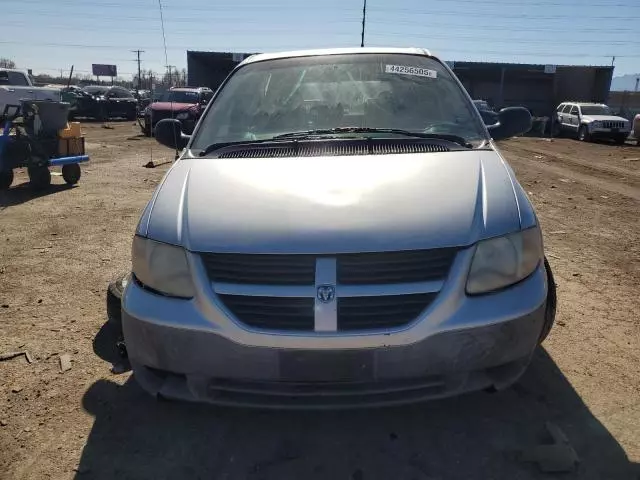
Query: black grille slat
{"type": "Point", "coordinates": [394, 267]}
{"type": "Point", "coordinates": [366, 313]}
{"type": "Point", "coordinates": [260, 269]}
{"type": "Point", "coordinates": [272, 313]}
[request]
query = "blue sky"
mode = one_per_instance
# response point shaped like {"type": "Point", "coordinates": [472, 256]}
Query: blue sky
{"type": "Point", "coordinates": [81, 32]}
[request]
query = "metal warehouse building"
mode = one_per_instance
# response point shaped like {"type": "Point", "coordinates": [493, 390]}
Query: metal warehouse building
{"type": "Point", "coordinates": [538, 87]}
{"type": "Point", "coordinates": [209, 69]}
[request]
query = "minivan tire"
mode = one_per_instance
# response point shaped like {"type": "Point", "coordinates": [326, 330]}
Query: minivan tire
{"type": "Point", "coordinates": [552, 303]}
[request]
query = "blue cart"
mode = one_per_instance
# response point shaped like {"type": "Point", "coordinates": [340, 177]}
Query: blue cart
{"type": "Point", "coordinates": [30, 140]}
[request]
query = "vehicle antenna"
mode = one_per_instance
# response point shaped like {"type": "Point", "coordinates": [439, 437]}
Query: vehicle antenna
{"type": "Point", "coordinates": [364, 19]}
{"type": "Point", "coordinates": [166, 62]}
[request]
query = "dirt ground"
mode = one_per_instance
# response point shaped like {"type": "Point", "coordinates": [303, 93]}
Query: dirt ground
{"type": "Point", "coordinates": [59, 250]}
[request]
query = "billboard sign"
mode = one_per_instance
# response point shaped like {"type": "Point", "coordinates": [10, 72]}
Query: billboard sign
{"type": "Point", "coordinates": [100, 70]}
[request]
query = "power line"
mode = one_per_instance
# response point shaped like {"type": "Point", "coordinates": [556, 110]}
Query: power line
{"type": "Point", "coordinates": [150, 19]}
{"type": "Point", "coordinates": [580, 4]}
{"type": "Point", "coordinates": [449, 28]}
{"type": "Point", "coordinates": [214, 9]}
{"type": "Point", "coordinates": [551, 41]}
{"type": "Point", "coordinates": [293, 6]}
{"type": "Point", "coordinates": [384, 10]}
{"type": "Point", "coordinates": [501, 27]}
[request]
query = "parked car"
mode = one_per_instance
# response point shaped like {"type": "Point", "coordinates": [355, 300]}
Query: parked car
{"type": "Point", "coordinates": [16, 85]}
{"type": "Point", "coordinates": [636, 129]}
{"type": "Point", "coordinates": [590, 121]}
{"type": "Point", "coordinates": [337, 234]}
{"type": "Point", "coordinates": [184, 104]}
{"type": "Point", "coordinates": [104, 102]}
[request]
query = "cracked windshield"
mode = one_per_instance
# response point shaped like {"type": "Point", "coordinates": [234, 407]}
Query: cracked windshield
{"type": "Point", "coordinates": [377, 91]}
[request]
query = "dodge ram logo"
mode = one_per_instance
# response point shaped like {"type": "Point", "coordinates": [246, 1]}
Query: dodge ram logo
{"type": "Point", "coordinates": [326, 293]}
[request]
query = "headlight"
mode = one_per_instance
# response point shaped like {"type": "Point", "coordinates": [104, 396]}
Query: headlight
{"type": "Point", "coordinates": [503, 261]}
{"type": "Point", "coordinates": [161, 267]}
{"type": "Point", "coordinates": [182, 116]}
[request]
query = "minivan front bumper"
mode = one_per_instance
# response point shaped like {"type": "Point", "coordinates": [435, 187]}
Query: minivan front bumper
{"type": "Point", "coordinates": [189, 349]}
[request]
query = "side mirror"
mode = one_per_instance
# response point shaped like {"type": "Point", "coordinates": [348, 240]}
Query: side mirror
{"type": "Point", "coordinates": [168, 132]}
{"type": "Point", "coordinates": [489, 118]}
{"type": "Point", "coordinates": [511, 121]}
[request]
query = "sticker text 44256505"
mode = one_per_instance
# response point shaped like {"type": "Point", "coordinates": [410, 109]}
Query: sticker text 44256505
{"type": "Point", "coordinates": [405, 70]}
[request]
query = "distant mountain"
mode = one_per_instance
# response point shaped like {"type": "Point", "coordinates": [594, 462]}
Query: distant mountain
{"type": "Point", "coordinates": [624, 82]}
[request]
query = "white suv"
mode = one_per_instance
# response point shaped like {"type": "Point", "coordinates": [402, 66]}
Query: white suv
{"type": "Point", "coordinates": [591, 120]}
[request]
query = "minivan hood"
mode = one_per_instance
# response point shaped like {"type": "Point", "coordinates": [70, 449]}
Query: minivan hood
{"type": "Point", "coordinates": [336, 204]}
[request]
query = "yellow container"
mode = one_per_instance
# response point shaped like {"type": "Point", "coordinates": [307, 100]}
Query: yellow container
{"type": "Point", "coordinates": [70, 146]}
{"type": "Point", "coordinates": [72, 130]}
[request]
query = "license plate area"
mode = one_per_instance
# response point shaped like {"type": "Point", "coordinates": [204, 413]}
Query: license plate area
{"type": "Point", "coordinates": [342, 366]}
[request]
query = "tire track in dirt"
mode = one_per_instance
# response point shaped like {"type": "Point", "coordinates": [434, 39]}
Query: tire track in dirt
{"type": "Point", "coordinates": [575, 160]}
{"type": "Point", "coordinates": [601, 183]}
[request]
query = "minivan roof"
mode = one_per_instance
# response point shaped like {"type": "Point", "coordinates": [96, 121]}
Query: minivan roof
{"type": "Point", "coordinates": [260, 57]}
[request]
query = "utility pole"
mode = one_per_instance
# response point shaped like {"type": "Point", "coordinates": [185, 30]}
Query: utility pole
{"type": "Point", "coordinates": [138, 52]}
{"type": "Point", "coordinates": [364, 19]}
{"type": "Point", "coordinates": [170, 71]}
{"type": "Point", "coordinates": [613, 59]}
{"type": "Point", "coordinates": [637, 82]}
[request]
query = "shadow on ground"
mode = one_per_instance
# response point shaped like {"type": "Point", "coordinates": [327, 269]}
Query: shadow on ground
{"type": "Point", "coordinates": [23, 193]}
{"type": "Point", "coordinates": [472, 437]}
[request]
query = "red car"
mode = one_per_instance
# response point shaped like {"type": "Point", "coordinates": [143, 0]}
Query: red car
{"type": "Point", "coordinates": [185, 104]}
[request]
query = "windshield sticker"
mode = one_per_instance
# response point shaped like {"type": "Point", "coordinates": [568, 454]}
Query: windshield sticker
{"type": "Point", "coordinates": [404, 70]}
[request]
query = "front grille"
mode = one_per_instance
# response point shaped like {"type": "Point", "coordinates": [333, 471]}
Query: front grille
{"type": "Point", "coordinates": [613, 124]}
{"type": "Point", "coordinates": [273, 313]}
{"type": "Point", "coordinates": [390, 311]}
{"type": "Point", "coordinates": [245, 274]}
{"type": "Point", "coordinates": [394, 267]}
{"type": "Point", "coordinates": [260, 269]}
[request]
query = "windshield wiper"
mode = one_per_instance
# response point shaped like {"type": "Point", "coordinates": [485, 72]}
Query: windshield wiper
{"type": "Point", "coordinates": [394, 131]}
{"type": "Point", "coordinates": [306, 134]}
{"type": "Point", "coordinates": [217, 146]}
{"type": "Point", "coordinates": [279, 138]}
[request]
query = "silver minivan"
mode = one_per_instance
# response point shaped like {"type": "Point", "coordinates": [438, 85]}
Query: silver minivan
{"type": "Point", "coordinates": [339, 230]}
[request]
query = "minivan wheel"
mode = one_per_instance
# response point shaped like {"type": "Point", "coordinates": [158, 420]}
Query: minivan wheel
{"type": "Point", "coordinates": [114, 297]}
{"type": "Point", "coordinates": [552, 302]}
{"type": "Point", "coordinates": [583, 133]}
